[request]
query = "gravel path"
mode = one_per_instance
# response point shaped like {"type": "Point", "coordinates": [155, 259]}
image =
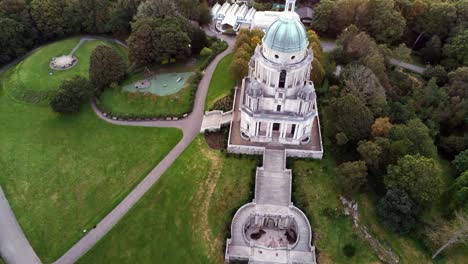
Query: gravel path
{"type": "Point", "coordinates": [190, 126]}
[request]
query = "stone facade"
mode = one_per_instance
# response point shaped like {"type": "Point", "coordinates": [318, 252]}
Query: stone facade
{"type": "Point", "coordinates": [275, 114]}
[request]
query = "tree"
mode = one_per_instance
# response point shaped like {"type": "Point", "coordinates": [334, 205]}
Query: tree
{"type": "Point", "coordinates": [48, 15]}
{"type": "Point", "coordinates": [106, 67]}
{"type": "Point", "coordinates": [322, 15]}
{"type": "Point", "coordinates": [352, 117]}
{"type": "Point", "coordinates": [453, 144]}
{"type": "Point", "coordinates": [239, 68]}
{"type": "Point", "coordinates": [158, 40]}
{"type": "Point", "coordinates": [71, 95]}
{"type": "Point", "coordinates": [157, 8]}
{"type": "Point", "coordinates": [371, 153]}
{"type": "Point", "coordinates": [397, 211]}
{"type": "Point", "coordinates": [416, 175]}
{"type": "Point", "coordinates": [381, 127]}
{"type": "Point", "coordinates": [438, 73]}
{"type": "Point", "coordinates": [432, 51]}
{"type": "Point", "coordinates": [411, 138]}
{"type": "Point", "coordinates": [386, 24]}
{"type": "Point", "coordinates": [198, 39]}
{"type": "Point", "coordinates": [362, 83]}
{"type": "Point", "coordinates": [461, 161]}
{"type": "Point", "coordinates": [457, 47]}
{"type": "Point", "coordinates": [351, 176]}
{"type": "Point", "coordinates": [120, 17]}
{"type": "Point", "coordinates": [438, 19]}
{"type": "Point", "coordinates": [459, 193]}
{"type": "Point", "coordinates": [11, 39]}
{"type": "Point", "coordinates": [317, 72]}
{"type": "Point", "coordinates": [452, 233]}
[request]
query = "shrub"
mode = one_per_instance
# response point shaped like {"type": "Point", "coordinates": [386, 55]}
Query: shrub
{"type": "Point", "coordinates": [349, 250]}
{"type": "Point", "coordinates": [206, 52]}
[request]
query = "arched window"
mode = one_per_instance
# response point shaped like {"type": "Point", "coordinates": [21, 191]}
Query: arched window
{"type": "Point", "coordinates": [282, 79]}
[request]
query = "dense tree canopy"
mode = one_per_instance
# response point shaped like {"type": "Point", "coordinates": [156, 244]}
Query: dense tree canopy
{"type": "Point", "coordinates": [416, 175]}
{"type": "Point", "coordinates": [459, 193]}
{"type": "Point", "coordinates": [351, 117]}
{"type": "Point", "coordinates": [106, 67]}
{"type": "Point", "coordinates": [12, 42]}
{"type": "Point", "coordinates": [397, 211]}
{"type": "Point", "coordinates": [158, 40]}
{"type": "Point", "coordinates": [461, 161]}
{"type": "Point", "coordinates": [362, 82]}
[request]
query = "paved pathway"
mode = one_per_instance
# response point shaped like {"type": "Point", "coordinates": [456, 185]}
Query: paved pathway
{"type": "Point", "coordinates": [14, 247]}
{"type": "Point", "coordinates": [191, 127]}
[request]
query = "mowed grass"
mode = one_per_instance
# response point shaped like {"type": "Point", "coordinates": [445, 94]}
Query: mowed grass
{"type": "Point", "coordinates": [33, 74]}
{"type": "Point", "coordinates": [222, 83]}
{"type": "Point", "coordinates": [185, 216]}
{"type": "Point", "coordinates": [62, 174]}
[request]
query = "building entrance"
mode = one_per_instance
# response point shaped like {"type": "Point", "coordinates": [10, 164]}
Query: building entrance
{"type": "Point", "coordinates": [276, 126]}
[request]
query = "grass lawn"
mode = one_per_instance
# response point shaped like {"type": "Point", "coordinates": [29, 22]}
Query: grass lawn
{"type": "Point", "coordinates": [222, 83]}
{"type": "Point", "coordinates": [184, 217]}
{"type": "Point", "coordinates": [30, 80]}
{"type": "Point", "coordinates": [62, 174]}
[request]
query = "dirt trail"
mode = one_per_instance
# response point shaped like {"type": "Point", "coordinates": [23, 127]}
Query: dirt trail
{"type": "Point", "coordinates": [204, 195]}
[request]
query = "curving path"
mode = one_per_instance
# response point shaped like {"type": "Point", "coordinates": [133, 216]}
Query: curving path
{"type": "Point", "coordinates": [190, 126]}
{"type": "Point", "coordinates": [14, 247]}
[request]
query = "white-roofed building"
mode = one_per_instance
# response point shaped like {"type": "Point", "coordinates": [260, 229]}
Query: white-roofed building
{"type": "Point", "coordinates": [237, 15]}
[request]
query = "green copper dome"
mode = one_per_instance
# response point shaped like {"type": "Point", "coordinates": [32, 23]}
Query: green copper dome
{"type": "Point", "coordinates": [286, 34]}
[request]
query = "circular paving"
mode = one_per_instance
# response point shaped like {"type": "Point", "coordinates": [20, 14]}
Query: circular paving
{"type": "Point", "coordinates": [64, 62]}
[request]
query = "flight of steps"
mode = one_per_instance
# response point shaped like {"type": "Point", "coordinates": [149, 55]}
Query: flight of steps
{"type": "Point", "coordinates": [272, 183]}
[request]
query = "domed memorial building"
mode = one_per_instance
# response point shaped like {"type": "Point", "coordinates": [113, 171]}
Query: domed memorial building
{"type": "Point", "coordinates": [275, 114]}
{"type": "Point", "coordinates": [277, 100]}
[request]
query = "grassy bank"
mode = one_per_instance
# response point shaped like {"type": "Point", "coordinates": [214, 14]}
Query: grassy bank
{"type": "Point", "coordinates": [185, 216]}
{"type": "Point", "coordinates": [222, 82]}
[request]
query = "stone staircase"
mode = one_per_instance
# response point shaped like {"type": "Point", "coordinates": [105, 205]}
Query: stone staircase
{"type": "Point", "coordinates": [273, 182]}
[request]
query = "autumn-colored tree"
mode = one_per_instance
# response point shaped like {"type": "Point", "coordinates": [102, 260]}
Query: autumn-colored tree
{"type": "Point", "coordinates": [381, 127]}
{"type": "Point", "coordinates": [317, 72]}
{"type": "Point", "coordinates": [239, 68]}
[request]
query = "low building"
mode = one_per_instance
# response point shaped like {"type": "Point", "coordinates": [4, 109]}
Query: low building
{"type": "Point", "coordinates": [237, 15]}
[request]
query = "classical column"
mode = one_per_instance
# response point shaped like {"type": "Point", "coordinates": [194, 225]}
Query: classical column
{"type": "Point", "coordinates": [270, 129]}
{"type": "Point", "coordinates": [296, 132]}
{"type": "Point", "coordinates": [283, 130]}
{"type": "Point", "coordinates": [257, 128]}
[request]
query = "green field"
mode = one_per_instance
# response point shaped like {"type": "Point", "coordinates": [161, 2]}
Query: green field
{"type": "Point", "coordinates": [222, 83]}
{"type": "Point", "coordinates": [31, 81]}
{"type": "Point", "coordinates": [185, 216]}
{"type": "Point", "coordinates": [62, 174]}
